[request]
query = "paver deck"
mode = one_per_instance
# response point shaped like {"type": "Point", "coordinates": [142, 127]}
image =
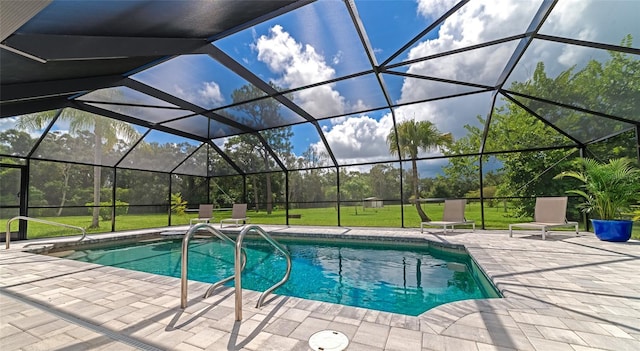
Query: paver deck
{"type": "Point", "coordinates": [564, 293]}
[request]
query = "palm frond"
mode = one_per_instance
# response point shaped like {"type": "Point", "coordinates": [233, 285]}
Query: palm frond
{"type": "Point", "coordinates": [609, 188]}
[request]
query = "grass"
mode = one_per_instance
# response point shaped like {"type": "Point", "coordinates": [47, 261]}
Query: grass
{"type": "Point", "coordinates": [350, 216]}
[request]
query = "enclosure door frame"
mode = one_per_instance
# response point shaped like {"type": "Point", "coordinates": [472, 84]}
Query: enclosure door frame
{"type": "Point", "coordinates": [22, 195]}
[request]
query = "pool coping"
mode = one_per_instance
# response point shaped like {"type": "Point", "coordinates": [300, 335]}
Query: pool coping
{"type": "Point", "coordinates": [455, 249]}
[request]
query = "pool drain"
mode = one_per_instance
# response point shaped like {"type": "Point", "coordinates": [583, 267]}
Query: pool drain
{"type": "Point", "coordinates": [328, 340]}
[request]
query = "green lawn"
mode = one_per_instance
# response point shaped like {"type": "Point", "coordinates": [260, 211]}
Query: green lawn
{"type": "Point", "coordinates": [350, 216]}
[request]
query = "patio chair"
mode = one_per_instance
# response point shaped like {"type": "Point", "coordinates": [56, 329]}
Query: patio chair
{"type": "Point", "coordinates": [238, 214]}
{"type": "Point", "coordinates": [204, 214]}
{"type": "Point", "coordinates": [550, 212]}
{"type": "Point", "coordinates": [453, 215]}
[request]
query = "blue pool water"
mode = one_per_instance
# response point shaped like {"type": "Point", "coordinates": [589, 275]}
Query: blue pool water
{"type": "Point", "coordinates": [386, 277]}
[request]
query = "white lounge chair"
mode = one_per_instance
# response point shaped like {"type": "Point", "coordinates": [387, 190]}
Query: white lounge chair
{"type": "Point", "coordinates": [238, 214]}
{"type": "Point", "coordinates": [453, 215]}
{"type": "Point", "coordinates": [550, 212]}
{"type": "Point", "coordinates": [205, 214]}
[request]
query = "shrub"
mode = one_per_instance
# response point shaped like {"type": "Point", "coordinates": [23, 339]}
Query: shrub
{"type": "Point", "coordinates": [122, 208]}
{"type": "Point", "coordinates": [178, 205]}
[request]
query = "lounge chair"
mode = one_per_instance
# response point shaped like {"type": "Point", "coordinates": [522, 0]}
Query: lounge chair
{"type": "Point", "coordinates": [238, 214]}
{"type": "Point", "coordinates": [204, 214]}
{"type": "Point", "coordinates": [550, 212]}
{"type": "Point", "coordinates": [453, 215]}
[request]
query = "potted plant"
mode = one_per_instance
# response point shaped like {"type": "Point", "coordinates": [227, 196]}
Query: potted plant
{"type": "Point", "coordinates": [610, 189]}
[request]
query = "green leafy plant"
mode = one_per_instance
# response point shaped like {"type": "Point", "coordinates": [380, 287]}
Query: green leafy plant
{"type": "Point", "coordinates": [122, 208]}
{"type": "Point", "coordinates": [178, 204]}
{"type": "Point", "coordinates": [609, 188]}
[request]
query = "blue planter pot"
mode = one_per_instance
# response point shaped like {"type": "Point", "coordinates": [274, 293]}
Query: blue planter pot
{"type": "Point", "coordinates": [612, 230]}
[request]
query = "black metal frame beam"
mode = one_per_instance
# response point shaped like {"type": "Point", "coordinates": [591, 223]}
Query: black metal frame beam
{"type": "Point", "coordinates": [613, 135]}
{"type": "Point", "coordinates": [172, 171]}
{"type": "Point", "coordinates": [571, 107]}
{"type": "Point", "coordinates": [487, 123]}
{"type": "Point", "coordinates": [44, 134]}
{"type": "Point", "coordinates": [638, 140]}
{"type": "Point", "coordinates": [364, 39]}
{"type": "Point", "coordinates": [588, 44]}
{"type": "Point", "coordinates": [455, 51]}
{"type": "Point", "coordinates": [431, 27]}
{"type": "Point", "coordinates": [536, 23]}
{"type": "Point", "coordinates": [287, 8]}
{"type": "Point", "coordinates": [124, 118]}
{"type": "Point", "coordinates": [39, 90]}
{"type": "Point", "coordinates": [51, 47]}
{"type": "Point", "coordinates": [271, 92]}
{"type": "Point", "coordinates": [224, 157]}
{"type": "Point", "coordinates": [441, 80]}
{"type": "Point", "coordinates": [543, 120]}
{"type": "Point", "coordinates": [159, 94]}
{"type": "Point", "coordinates": [26, 107]}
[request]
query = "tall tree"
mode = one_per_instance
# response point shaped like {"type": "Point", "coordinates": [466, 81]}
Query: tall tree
{"type": "Point", "coordinates": [606, 87]}
{"type": "Point", "coordinates": [106, 133]}
{"type": "Point", "coordinates": [259, 114]}
{"type": "Point", "coordinates": [412, 136]}
{"type": "Point", "coordinates": [354, 185]}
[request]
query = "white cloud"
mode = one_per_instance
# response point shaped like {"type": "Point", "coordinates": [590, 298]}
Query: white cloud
{"type": "Point", "coordinates": [211, 92]}
{"type": "Point", "coordinates": [208, 94]}
{"type": "Point", "coordinates": [566, 18]}
{"type": "Point", "coordinates": [337, 58]}
{"type": "Point", "coordinates": [7, 123]}
{"type": "Point", "coordinates": [433, 8]}
{"type": "Point", "coordinates": [598, 21]}
{"type": "Point", "coordinates": [337, 120]}
{"type": "Point", "coordinates": [360, 105]}
{"type": "Point", "coordinates": [321, 101]}
{"type": "Point", "coordinates": [476, 22]}
{"type": "Point", "coordinates": [180, 92]}
{"type": "Point", "coordinates": [363, 139]}
{"type": "Point", "coordinates": [300, 65]}
{"type": "Point", "coordinates": [359, 139]}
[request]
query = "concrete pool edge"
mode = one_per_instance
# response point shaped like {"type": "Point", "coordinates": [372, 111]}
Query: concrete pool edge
{"type": "Point", "coordinates": [345, 234]}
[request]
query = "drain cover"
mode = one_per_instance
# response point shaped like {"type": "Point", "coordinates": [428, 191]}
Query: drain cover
{"type": "Point", "coordinates": [328, 340]}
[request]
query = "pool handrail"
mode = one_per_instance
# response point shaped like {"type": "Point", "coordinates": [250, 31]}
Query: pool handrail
{"type": "Point", "coordinates": [185, 260]}
{"type": "Point", "coordinates": [223, 281]}
{"type": "Point", "coordinates": [238, 283]}
{"type": "Point", "coordinates": [25, 218]}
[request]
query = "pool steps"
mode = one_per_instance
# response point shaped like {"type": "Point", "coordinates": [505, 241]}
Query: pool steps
{"type": "Point", "coordinates": [240, 262]}
{"type": "Point", "coordinates": [185, 260]}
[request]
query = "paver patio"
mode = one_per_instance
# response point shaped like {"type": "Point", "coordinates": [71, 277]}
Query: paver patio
{"type": "Point", "coordinates": [564, 293]}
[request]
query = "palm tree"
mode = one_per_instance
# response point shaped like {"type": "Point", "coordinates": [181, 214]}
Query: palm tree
{"type": "Point", "coordinates": [106, 133]}
{"type": "Point", "coordinates": [412, 136]}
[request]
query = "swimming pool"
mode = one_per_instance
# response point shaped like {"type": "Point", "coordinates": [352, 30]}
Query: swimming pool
{"type": "Point", "coordinates": [400, 278]}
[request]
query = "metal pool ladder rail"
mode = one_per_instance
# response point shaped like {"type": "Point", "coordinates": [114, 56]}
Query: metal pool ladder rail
{"type": "Point", "coordinates": [185, 260]}
{"type": "Point", "coordinates": [8, 238]}
{"type": "Point", "coordinates": [238, 283]}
